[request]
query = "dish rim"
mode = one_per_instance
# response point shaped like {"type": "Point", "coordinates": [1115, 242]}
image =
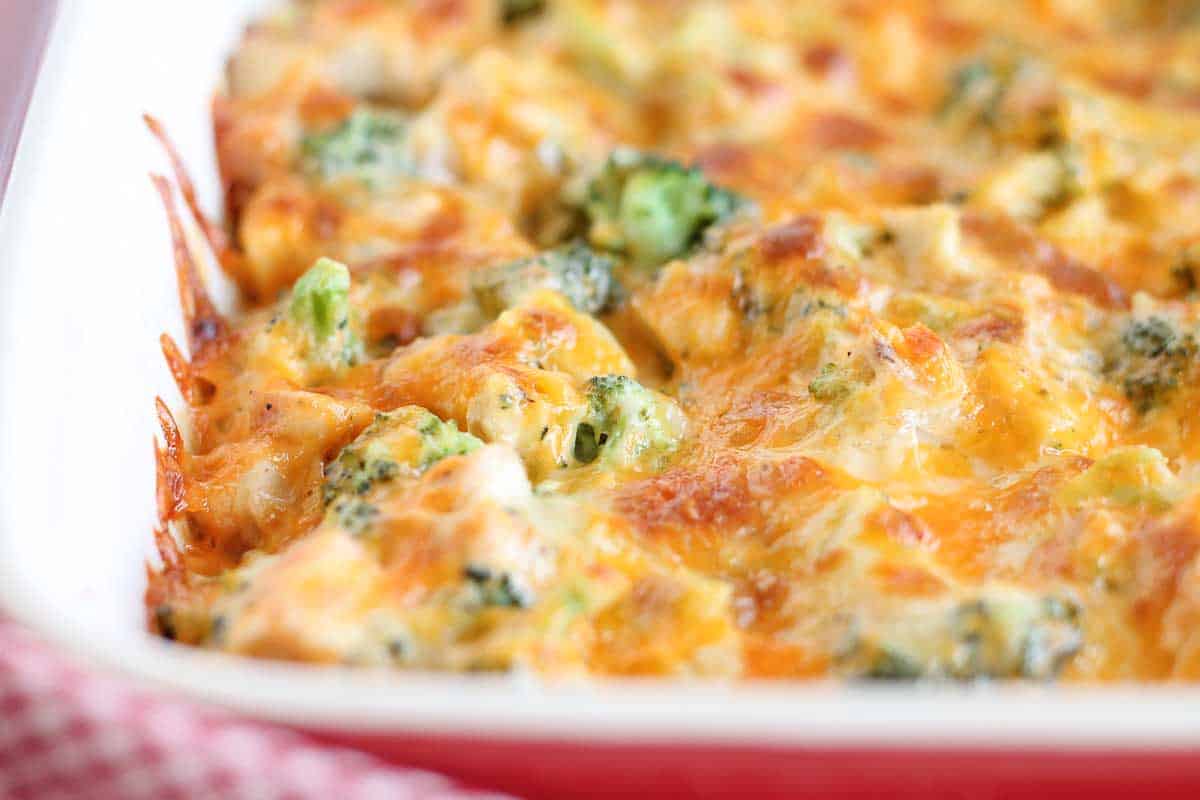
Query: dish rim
{"type": "Point", "coordinates": [823, 714]}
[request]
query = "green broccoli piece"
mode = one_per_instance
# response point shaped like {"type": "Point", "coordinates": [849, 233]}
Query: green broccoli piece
{"type": "Point", "coordinates": [977, 90]}
{"type": "Point", "coordinates": [321, 298]}
{"type": "Point", "coordinates": [320, 309]}
{"type": "Point", "coordinates": [830, 384]}
{"type": "Point", "coordinates": [1003, 634]}
{"type": "Point", "coordinates": [626, 422]}
{"type": "Point", "coordinates": [443, 439]}
{"type": "Point", "coordinates": [501, 590]}
{"type": "Point", "coordinates": [652, 209]}
{"type": "Point", "coordinates": [575, 271]}
{"type": "Point", "coordinates": [1129, 476]}
{"type": "Point", "coordinates": [1018, 636]}
{"type": "Point", "coordinates": [984, 97]}
{"type": "Point", "coordinates": [1151, 337]}
{"type": "Point", "coordinates": [406, 441]}
{"type": "Point", "coordinates": [516, 10]}
{"type": "Point", "coordinates": [1186, 271]}
{"type": "Point", "coordinates": [354, 514]}
{"type": "Point", "coordinates": [885, 664]}
{"type": "Point", "coordinates": [1150, 359]}
{"type": "Point", "coordinates": [368, 146]}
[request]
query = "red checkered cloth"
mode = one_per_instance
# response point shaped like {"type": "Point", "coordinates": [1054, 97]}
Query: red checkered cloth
{"type": "Point", "coordinates": [66, 733]}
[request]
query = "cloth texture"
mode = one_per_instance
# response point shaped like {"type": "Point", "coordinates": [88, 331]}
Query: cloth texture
{"type": "Point", "coordinates": [66, 733]}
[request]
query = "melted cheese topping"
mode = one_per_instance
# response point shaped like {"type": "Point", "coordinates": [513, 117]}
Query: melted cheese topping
{"type": "Point", "coordinates": [900, 381]}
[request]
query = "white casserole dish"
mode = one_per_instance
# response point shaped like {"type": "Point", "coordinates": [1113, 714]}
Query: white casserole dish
{"type": "Point", "coordinates": [86, 287]}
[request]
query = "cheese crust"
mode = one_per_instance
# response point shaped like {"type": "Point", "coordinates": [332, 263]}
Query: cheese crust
{"type": "Point", "coordinates": [752, 339]}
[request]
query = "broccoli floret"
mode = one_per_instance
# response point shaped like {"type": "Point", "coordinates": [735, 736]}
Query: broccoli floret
{"type": "Point", "coordinates": [976, 89]}
{"type": "Point", "coordinates": [1004, 634]}
{"type": "Point", "coordinates": [369, 146]}
{"type": "Point", "coordinates": [443, 439]}
{"type": "Point", "coordinates": [889, 665]}
{"type": "Point", "coordinates": [1017, 636]}
{"type": "Point", "coordinates": [320, 310]}
{"type": "Point", "coordinates": [836, 382]}
{"type": "Point", "coordinates": [408, 441]}
{"type": "Point", "coordinates": [626, 422]}
{"type": "Point", "coordinates": [497, 589]}
{"type": "Point", "coordinates": [989, 96]}
{"type": "Point", "coordinates": [321, 298]}
{"type": "Point", "coordinates": [1186, 271]}
{"type": "Point", "coordinates": [1151, 337]}
{"type": "Point", "coordinates": [516, 10]}
{"type": "Point", "coordinates": [652, 209]}
{"type": "Point", "coordinates": [830, 384]}
{"type": "Point", "coordinates": [354, 514]}
{"type": "Point", "coordinates": [1149, 360]}
{"type": "Point", "coordinates": [575, 271]}
{"type": "Point", "coordinates": [1127, 476]}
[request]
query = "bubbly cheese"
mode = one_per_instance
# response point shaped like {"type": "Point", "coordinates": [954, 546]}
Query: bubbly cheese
{"type": "Point", "coordinates": [748, 338]}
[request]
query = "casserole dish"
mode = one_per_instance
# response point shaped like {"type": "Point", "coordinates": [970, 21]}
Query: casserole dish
{"type": "Point", "coordinates": [84, 292]}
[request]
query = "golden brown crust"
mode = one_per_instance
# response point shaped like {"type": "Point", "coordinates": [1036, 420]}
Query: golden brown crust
{"type": "Point", "coordinates": [922, 405]}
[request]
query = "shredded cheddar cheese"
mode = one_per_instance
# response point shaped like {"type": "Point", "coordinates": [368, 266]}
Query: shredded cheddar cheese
{"type": "Point", "coordinates": [748, 338]}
